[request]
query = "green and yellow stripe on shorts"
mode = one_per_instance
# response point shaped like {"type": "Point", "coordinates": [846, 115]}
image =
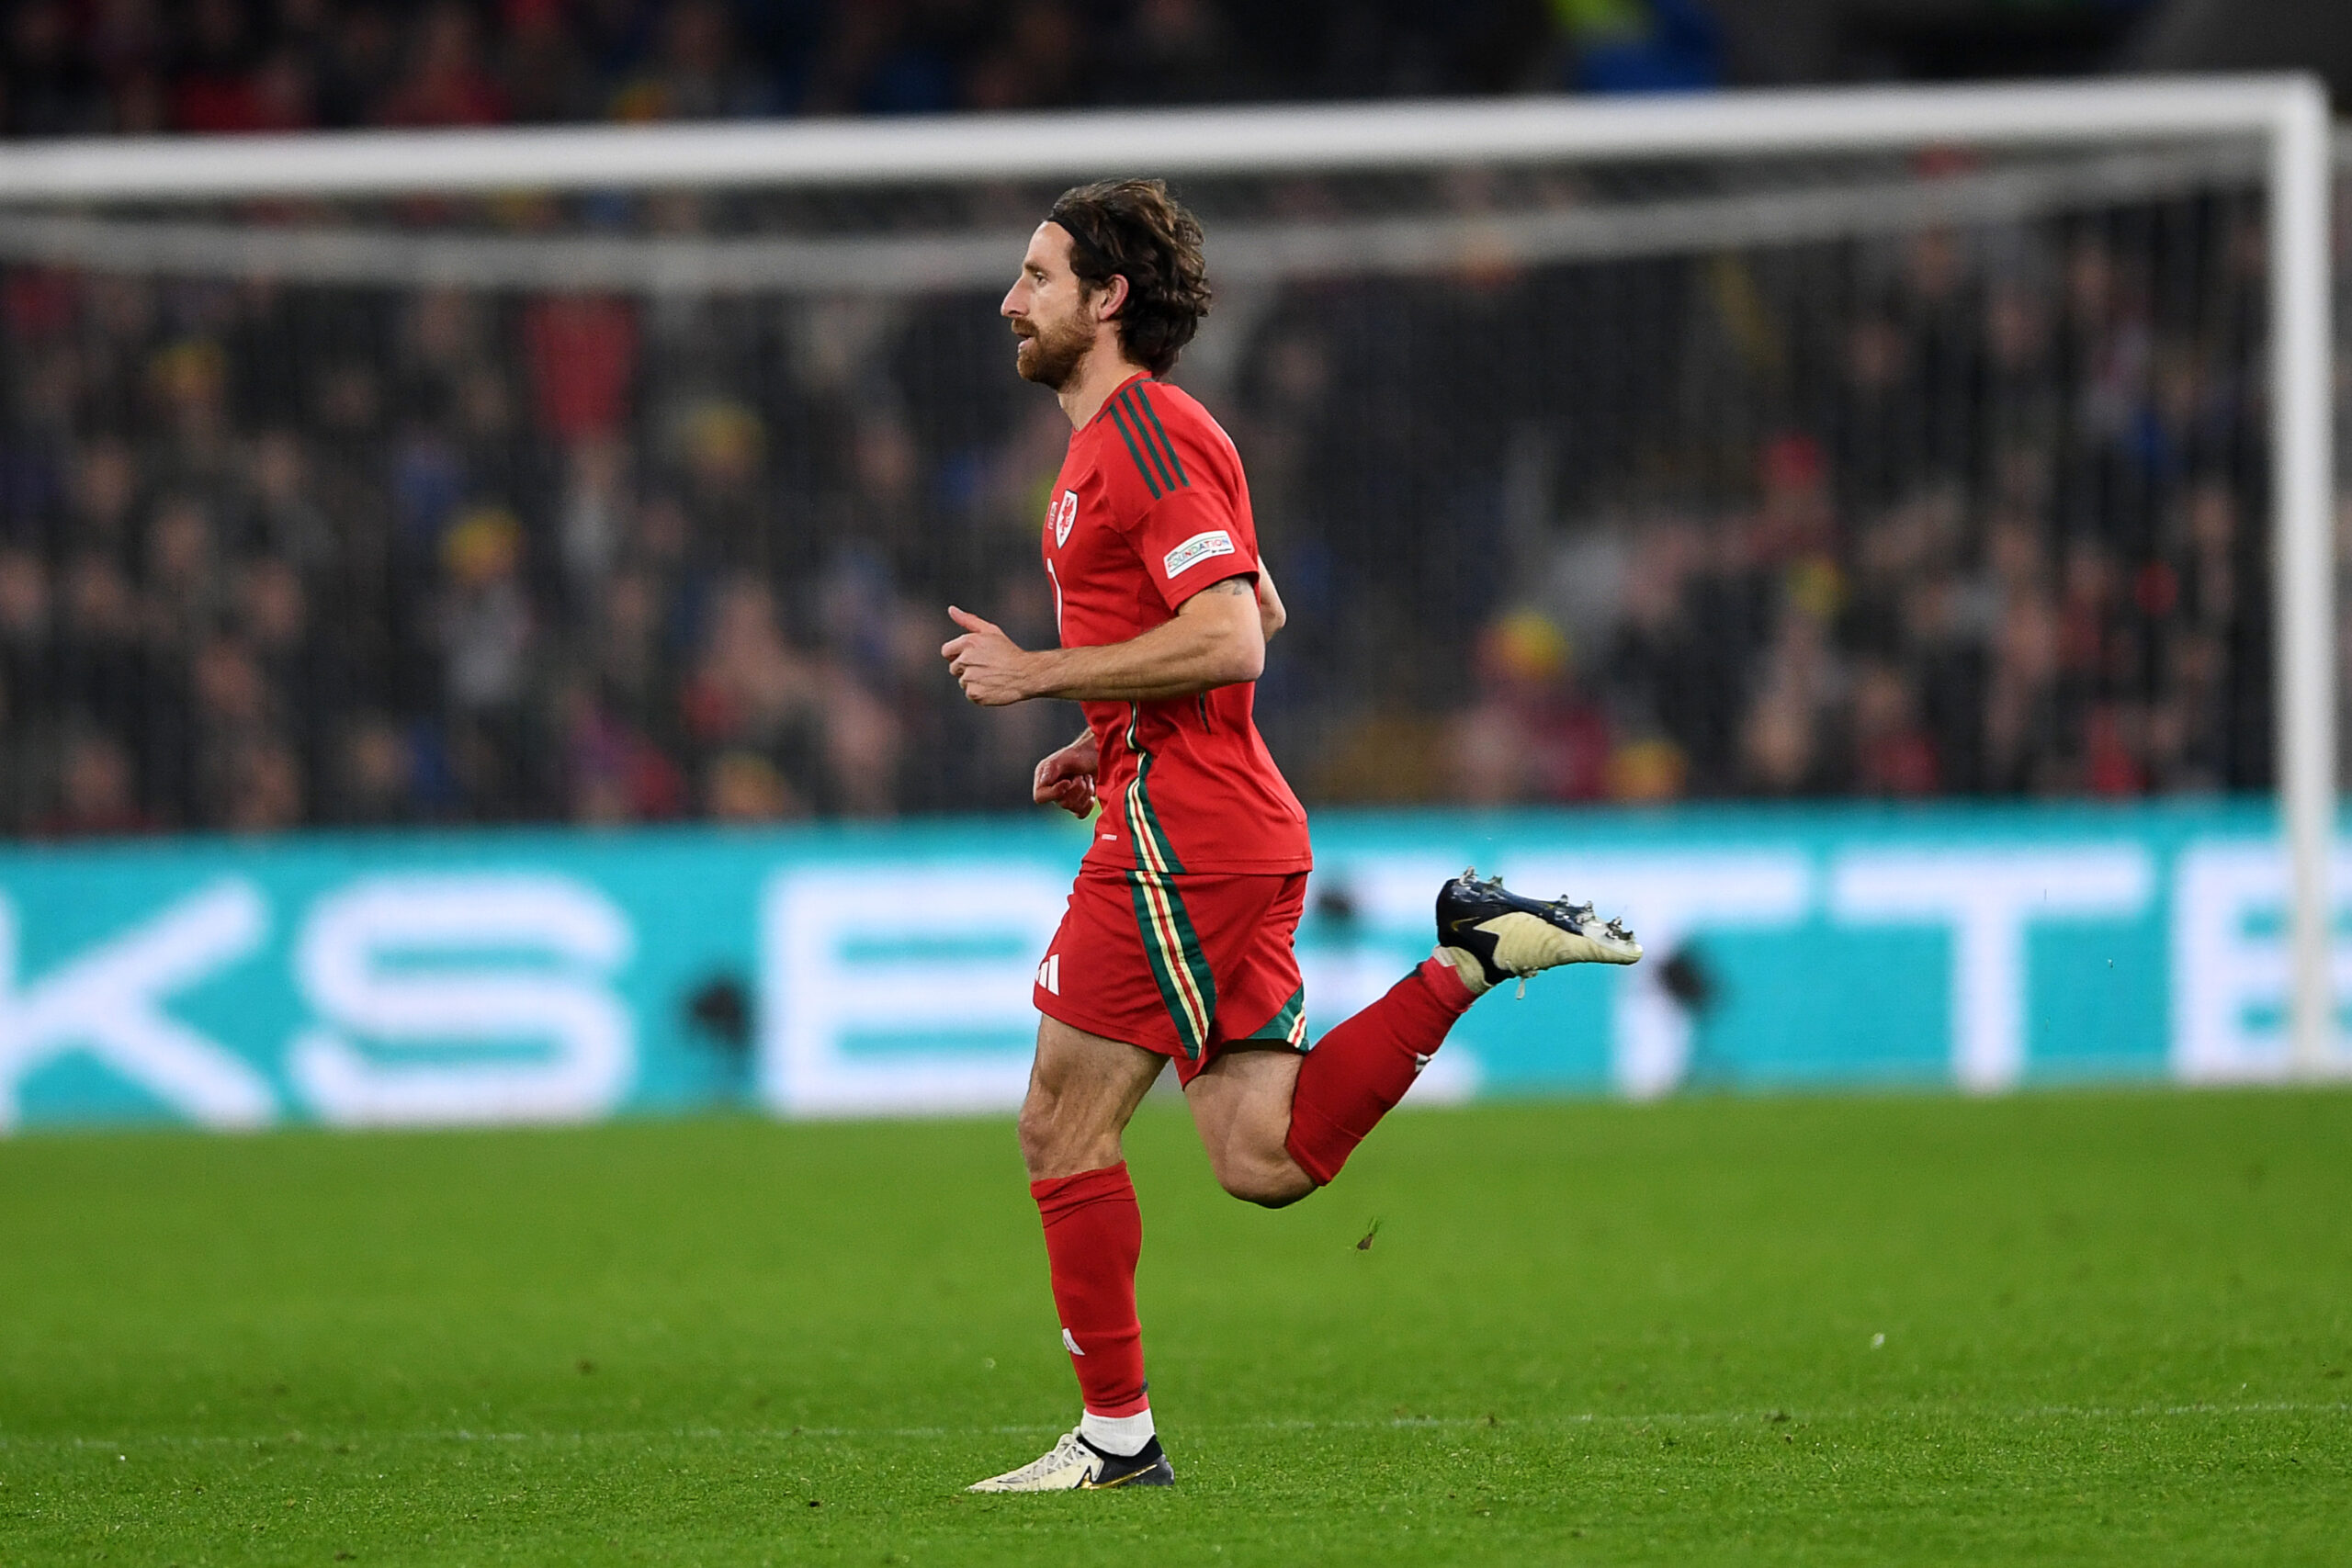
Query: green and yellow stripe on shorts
{"type": "Point", "coordinates": [1288, 1024]}
{"type": "Point", "coordinates": [1178, 966]}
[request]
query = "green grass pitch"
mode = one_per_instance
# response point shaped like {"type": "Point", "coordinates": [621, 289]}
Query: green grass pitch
{"type": "Point", "coordinates": [2057, 1328]}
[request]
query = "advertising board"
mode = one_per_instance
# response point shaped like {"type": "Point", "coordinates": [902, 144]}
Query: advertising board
{"type": "Point", "coordinates": [358, 980]}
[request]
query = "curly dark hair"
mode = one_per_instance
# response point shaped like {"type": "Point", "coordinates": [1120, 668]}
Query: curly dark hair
{"type": "Point", "coordinates": [1136, 230]}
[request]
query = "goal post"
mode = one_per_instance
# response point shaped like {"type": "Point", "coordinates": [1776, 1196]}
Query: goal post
{"type": "Point", "coordinates": [48, 192]}
{"type": "Point", "coordinates": [2303, 375]}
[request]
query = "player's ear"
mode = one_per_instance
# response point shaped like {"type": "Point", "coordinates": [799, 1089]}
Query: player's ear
{"type": "Point", "coordinates": [1111, 296]}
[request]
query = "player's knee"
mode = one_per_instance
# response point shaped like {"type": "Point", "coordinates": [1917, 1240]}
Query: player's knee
{"type": "Point", "coordinates": [1272, 1192]}
{"type": "Point", "coordinates": [1055, 1143]}
{"type": "Point", "coordinates": [1276, 1196]}
{"type": "Point", "coordinates": [1039, 1143]}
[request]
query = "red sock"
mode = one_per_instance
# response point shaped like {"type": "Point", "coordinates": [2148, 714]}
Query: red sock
{"type": "Point", "coordinates": [1093, 1236]}
{"type": "Point", "coordinates": [1357, 1073]}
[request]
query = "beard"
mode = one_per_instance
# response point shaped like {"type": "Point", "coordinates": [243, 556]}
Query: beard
{"type": "Point", "coordinates": [1051, 355]}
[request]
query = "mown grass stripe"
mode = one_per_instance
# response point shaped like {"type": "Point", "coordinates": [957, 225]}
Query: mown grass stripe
{"type": "Point", "coordinates": [1943, 1412]}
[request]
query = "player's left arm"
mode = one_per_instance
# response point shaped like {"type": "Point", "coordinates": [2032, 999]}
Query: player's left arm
{"type": "Point", "coordinates": [1271, 614]}
{"type": "Point", "coordinates": [1216, 639]}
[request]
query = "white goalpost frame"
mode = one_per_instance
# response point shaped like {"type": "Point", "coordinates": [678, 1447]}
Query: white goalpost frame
{"type": "Point", "coordinates": [2288, 114]}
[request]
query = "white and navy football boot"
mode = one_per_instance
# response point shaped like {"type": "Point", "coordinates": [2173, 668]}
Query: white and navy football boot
{"type": "Point", "coordinates": [1490, 936]}
{"type": "Point", "coordinates": [1073, 1464]}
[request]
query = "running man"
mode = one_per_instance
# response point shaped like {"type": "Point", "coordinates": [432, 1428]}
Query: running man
{"type": "Point", "coordinates": [1176, 943]}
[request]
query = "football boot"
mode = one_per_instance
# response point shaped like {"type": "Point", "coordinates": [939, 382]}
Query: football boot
{"type": "Point", "coordinates": [1073, 1464]}
{"type": "Point", "coordinates": [1490, 935]}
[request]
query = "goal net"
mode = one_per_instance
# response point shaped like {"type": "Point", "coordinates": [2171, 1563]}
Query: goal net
{"type": "Point", "coordinates": [1865, 445]}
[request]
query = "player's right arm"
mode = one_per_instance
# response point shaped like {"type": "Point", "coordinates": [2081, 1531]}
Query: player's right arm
{"type": "Point", "coordinates": [1213, 640]}
{"type": "Point", "coordinates": [1066, 778]}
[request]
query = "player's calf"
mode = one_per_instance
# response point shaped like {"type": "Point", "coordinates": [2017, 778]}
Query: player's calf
{"type": "Point", "coordinates": [1241, 1104]}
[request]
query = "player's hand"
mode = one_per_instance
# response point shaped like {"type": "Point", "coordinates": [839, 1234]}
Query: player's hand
{"type": "Point", "coordinates": [989, 666]}
{"type": "Point", "coordinates": [1067, 778]}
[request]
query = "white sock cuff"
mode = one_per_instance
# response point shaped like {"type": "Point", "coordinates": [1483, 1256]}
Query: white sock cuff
{"type": "Point", "coordinates": [1121, 1435]}
{"type": "Point", "coordinates": [1465, 964]}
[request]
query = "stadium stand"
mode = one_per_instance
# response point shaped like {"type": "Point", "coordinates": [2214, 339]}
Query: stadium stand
{"type": "Point", "coordinates": [1955, 514]}
{"type": "Point", "coordinates": [89, 67]}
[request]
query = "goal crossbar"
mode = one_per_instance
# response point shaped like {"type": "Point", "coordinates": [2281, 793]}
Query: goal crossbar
{"type": "Point", "coordinates": [1226, 142]}
{"type": "Point", "coordinates": [1240, 251]}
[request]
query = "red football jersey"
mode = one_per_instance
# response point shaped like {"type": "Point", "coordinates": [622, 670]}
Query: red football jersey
{"type": "Point", "coordinates": [1150, 507]}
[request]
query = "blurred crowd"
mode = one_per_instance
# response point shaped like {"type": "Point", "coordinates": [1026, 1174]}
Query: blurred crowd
{"type": "Point", "coordinates": [1990, 521]}
{"type": "Point", "coordinates": [87, 67]}
{"type": "Point", "coordinates": [92, 67]}
{"type": "Point", "coordinates": [272, 557]}
{"type": "Point", "coordinates": [1909, 518]}
{"type": "Point", "coordinates": [1944, 515]}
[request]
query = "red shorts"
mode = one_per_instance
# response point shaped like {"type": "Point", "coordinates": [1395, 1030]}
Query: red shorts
{"type": "Point", "coordinates": [1182, 964]}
